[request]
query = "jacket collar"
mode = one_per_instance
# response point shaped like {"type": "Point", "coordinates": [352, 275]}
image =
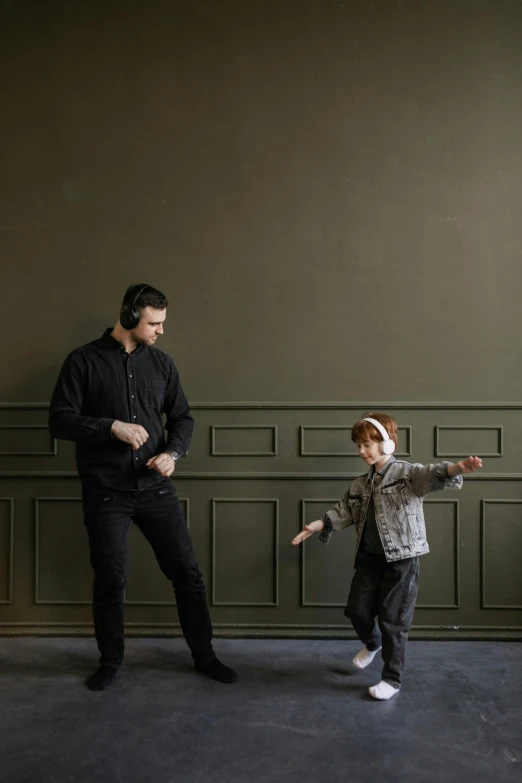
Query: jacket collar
{"type": "Point", "coordinates": [371, 473]}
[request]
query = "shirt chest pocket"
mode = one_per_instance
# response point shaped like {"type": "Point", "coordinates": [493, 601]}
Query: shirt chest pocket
{"type": "Point", "coordinates": [154, 393]}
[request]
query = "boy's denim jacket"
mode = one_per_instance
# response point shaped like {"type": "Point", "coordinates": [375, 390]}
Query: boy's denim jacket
{"type": "Point", "coordinates": [398, 491]}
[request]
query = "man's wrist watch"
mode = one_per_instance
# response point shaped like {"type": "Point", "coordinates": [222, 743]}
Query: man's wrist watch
{"type": "Point", "coordinates": [174, 455]}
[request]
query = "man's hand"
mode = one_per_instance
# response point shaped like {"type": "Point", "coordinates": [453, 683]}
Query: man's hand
{"type": "Point", "coordinates": [308, 530]}
{"type": "Point", "coordinates": [133, 434]}
{"type": "Point", "coordinates": [163, 463]}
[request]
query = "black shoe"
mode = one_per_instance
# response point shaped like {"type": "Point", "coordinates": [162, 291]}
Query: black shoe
{"type": "Point", "coordinates": [218, 671]}
{"type": "Point", "coordinates": [102, 679]}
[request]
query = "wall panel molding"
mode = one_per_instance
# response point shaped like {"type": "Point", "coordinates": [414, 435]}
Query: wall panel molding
{"type": "Point", "coordinates": [185, 502]}
{"type": "Point", "coordinates": [483, 550]}
{"type": "Point", "coordinates": [215, 428]}
{"type": "Point", "coordinates": [439, 452]}
{"type": "Point", "coordinates": [314, 405]}
{"type": "Point", "coordinates": [52, 451]}
{"type": "Point", "coordinates": [40, 600]}
{"type": "Point", "coordinates": [328, 503]}
{"type": "Point", "coordinates": [304, 452]}
{"type": "Point", "coordinates": [456, 554]}
{"type": "Point", "coordinates": [9, 554]}
{"type": "Point", "coordinates": [275, 551]}
{"type": "Point", "coordinates": [265, 630]}
{"type": "Point", "coordinates": [239, 475]}
{"type": "Point", "coordinates": [261, 443]}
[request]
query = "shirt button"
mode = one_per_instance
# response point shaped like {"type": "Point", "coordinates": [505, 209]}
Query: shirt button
{"type": "Point", "coordinates": [133, 396]}
{"type": "Point", "coordinates": [130, 376]}
{"type": "Point", "coordinates": [134, 417]}
{"type": "Point", "coordinates": [136, 459]}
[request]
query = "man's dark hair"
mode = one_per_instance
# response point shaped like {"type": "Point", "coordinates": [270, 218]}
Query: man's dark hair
{"type": "Point", "coordinates": [150, 297]}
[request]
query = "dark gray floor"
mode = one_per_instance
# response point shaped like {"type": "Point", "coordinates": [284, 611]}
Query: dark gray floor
{"type": "Point", "coordinates": [299, 713]}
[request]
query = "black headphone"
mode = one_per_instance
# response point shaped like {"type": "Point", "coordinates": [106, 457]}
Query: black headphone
{"type": "Point", "coordinates": [130, 315]}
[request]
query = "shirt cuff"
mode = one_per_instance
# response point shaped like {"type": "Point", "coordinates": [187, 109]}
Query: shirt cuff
{"type": "Point", "coordinates": [105, 430]}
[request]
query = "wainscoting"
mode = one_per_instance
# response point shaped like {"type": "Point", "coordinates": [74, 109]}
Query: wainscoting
{"type": "Point", "coordinates": [255, 474]}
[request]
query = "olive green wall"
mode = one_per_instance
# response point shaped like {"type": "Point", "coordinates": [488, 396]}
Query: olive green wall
{"type": "Point", "coordinates": [329, 193]}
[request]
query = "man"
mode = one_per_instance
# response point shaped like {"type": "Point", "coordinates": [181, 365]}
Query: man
{"type": "Point", "coordinates": [109, 399]}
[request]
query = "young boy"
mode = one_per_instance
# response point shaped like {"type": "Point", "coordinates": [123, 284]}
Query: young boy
{"type": "Point", "coordinates": [385, 505]}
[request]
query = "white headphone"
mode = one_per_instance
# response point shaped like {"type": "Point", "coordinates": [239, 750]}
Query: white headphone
{"type": "Point", "coordinates": [387, 445]}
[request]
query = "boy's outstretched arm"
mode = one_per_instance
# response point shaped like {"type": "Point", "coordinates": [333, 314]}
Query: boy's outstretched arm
{"type": "Point", "coordinates": [307, 531]}
{"type": "Point", "coordinates": [444, 475]}
{"type": "Point", "coordinates": [335, 519]}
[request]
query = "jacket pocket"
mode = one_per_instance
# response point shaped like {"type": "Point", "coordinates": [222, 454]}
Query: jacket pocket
{"type": "Point", "coordinates": [394, 486]}
{"type": "Point", "coordinates": [356, 503]}
{"type": "Point", "coordinates": [399, 512]}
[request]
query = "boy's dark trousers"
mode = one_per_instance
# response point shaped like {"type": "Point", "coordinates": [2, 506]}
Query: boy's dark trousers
{"type": "Point", "coordinates": [389, 591]}
{"type": "Point", "coordinates": [108, 514]}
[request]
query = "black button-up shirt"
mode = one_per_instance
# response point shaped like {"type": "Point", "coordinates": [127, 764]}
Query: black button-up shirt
{"type": "Point", "coordinates": [99, 383]}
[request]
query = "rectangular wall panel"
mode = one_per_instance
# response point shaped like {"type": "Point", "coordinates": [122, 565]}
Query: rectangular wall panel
{"type": "Point", "coordinates": [464, 440]}
{"type": "Point", "coordinates": [501, 548]}
{"type": "Point", "coordinates": [245, 546]}
{"type": "Point", "coordinates": [326, 570]}
{"type": "Point", "coordinates": [334, 440]}
{"type": "Point", "coordinates": [439, 570]}
{"type": "Point", "coordinates": [147, 584]}
{"type": "Point", "coordinates": [6, 550]}
{"type": "Point", "coordinates": [62, 567]}
{"type": "Point", "coordinates": [243, 440]}
{"type": "Point", "coordinates": [27, 440]}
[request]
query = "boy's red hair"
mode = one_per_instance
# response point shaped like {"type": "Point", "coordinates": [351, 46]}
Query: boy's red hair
{"type": "Point", "coordinates": [364, 430]}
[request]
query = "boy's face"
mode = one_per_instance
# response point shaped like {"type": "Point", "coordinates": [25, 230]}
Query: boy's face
{"type": "Point", "coordinates": [370, 452]}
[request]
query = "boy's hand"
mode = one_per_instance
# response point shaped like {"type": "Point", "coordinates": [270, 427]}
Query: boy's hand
{"type": "Point", "coordinates": [470, 465]}
{"type": "Point", "coordinates": [308, 530]}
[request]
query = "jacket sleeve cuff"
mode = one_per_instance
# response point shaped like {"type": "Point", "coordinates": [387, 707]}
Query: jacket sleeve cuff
{"type": "Point", "coordinates": [447, 481]}
{"type": "Point", "coordinates": [326, 533]}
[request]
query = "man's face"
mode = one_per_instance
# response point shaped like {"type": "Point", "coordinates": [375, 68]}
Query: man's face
{"type": "Point", "coordinates": [149, 327]}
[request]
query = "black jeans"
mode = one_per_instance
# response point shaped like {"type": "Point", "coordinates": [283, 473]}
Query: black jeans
{"type": "Point", "coordinates": [389, 591]}
{"type": "Point", "coordinates": [108, 515]}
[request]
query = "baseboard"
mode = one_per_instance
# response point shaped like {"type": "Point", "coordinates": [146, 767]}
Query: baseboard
{"type": "Point", "coordinates": [230, 631]}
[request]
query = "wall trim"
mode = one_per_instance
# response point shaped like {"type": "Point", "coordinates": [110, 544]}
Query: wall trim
{"type": "Point", "coordinates": [260, 631]}
{"type": "Point", "coordinates": [10, 581]}
{"type": "Point", "coordinates": [210, 475]}
{"type": "Point", "coordinates": [314, 404]}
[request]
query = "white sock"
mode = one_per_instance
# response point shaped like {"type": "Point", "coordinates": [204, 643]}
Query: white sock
{"type": "Point", "coordinates": [364, 657]}
{"type": "Point", "coordinates": [383, 690]}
